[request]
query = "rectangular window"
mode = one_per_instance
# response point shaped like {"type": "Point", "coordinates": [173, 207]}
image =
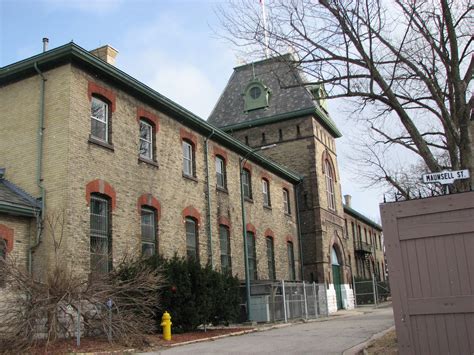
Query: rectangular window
{"type": "Point", "coordinates": [252, 256]}
{"type": "Point", "coordinates": [266, 193]}
{"type": "Point", "coordinates": [291, 262]}
{"type": "Point", "coordinates": [148, 221]}
{"type": "Point", "coordinates": [99, 119]}
{"type": "Point", "coordinates": [271, 259]}
{"type": "Point", "coordinates": [346, 230]}
{"type": "Point", "coordinates": [100, 239]}
{"type": "Point", "coordinates": [224, 238]}
{"type": "Point", "coordinates": [286, 201]}
{"type": "Point", "coordinates": [146, 140]}
{"type": "Point", "coordinates": [3, 256]}
{"type": "Point", "coordinates": [188, 159]}
{"type": "Point", "coordinates": [220, 172]}
{"type": "Point", "coordinates": [191, 239]}
{"type": "Point", "coordinates": [246, 182]}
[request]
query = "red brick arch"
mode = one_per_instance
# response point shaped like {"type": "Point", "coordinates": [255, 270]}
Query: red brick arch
{"type": "Point", "coordinates": [7, 235]}
{"type": "Point", "coordinates": [251, 228]}
{"type": "Point", "coordinates": [93, 88]}
{"type": "Point", "coordinates": [269, 233]}
{"type": "Point", "coordinates": [224, 221]}
{"type": "Point", "coordinates": [190, 211]}
{"type": "Point", "coordinates": [289, 238]}
{"type": "Point", "coordinates": [101, 187]}
{"type": "Point", "coordinates": [149, 200]}
{"type": "Point", "coordinates": [142, 113]}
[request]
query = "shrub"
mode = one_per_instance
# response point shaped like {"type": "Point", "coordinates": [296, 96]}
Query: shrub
{"type": "Point", "coordinates": [196, 295]}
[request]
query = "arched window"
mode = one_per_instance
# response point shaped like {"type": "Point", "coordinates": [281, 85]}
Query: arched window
{"type": "Point", "coordinates": [247, 183]}
{"type": "Point", "coordinates": [266, 192]}
{"type": "Point", "coordinates": [147, 140]}
{"type": "Point", "coordinates": [286, 201]}
{"type": "Point", "coordinates": [334, 258]}
{"type": "Point", "coordinates": [271, 258]}
{"type": "Point", "coordinates": [192, 245]}
{"type": "Point", "coordinates": [252, 255]}
{"type": "Point", "coordinates": [100, 234]}
{"type": "Point", "coordinates": [291, 261]}
{"type": "Point", "coordinates": [149, 229]}
{"type": "Point", "coordinates": [224, 239]}
{"type": "Point", "coordinates": [220, 172]}
{"type": "Point", "coordinates": [100, 123]}
{"type": "Point", "coordinates": [329, 185]}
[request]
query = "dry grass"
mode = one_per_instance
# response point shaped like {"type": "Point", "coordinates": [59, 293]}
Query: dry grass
{"type": "Point", "coordinates": [386, 345]}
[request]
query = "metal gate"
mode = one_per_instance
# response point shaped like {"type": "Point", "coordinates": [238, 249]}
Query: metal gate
{"type": "Point", "coordinates": [430, 254]}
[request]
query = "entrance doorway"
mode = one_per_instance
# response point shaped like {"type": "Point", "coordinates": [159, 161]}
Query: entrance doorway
{"type": "Point", "coordinates": [336, 277]}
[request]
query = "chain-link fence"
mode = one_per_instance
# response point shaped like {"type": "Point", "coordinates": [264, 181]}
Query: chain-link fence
{"type": "Point", "coordinates": [371, 291]}
{"type": "Point", "coordinates": [273, 301]}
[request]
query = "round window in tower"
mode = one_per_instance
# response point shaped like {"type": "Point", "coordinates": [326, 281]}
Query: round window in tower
{"type": "Point", "coordinates": [255, 92]}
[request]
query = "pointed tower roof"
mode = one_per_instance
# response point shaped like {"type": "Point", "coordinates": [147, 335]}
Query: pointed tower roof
{"type": "Point", "coordinates": [267, 91]}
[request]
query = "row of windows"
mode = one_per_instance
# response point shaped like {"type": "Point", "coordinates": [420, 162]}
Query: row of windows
{"type": "Point", "coordinates": [100, 130]}
{"type": "Point", "coordinates": [101, 240]}
{"type": "Point", "coordinates": [372, 239]}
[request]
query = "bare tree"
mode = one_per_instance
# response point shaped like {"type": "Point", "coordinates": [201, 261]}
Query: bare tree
{"type": "Point", "coordinates": [407, 64]}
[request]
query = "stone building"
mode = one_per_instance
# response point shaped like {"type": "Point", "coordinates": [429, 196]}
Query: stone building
{"type": "Point", "coordinates": [130, 171]}
{"type": "Point", "coordinates": [268, 102]}
{"type": "Point", "coordinates": [367, 257]}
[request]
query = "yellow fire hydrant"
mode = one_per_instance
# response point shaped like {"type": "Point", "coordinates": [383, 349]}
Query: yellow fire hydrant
{"type": "Point", "coordinates": [166, 324]}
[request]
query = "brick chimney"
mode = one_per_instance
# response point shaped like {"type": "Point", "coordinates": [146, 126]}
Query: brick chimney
{"type": "Point", "coordinates": [106, 53]}
{"type": "Point", "coordinates": [347, 199]}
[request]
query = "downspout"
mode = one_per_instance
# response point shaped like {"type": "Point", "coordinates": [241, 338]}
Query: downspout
{"type": "Point", "coordinates": [298, 227]}
{"type": "Point", "coordinates": [39, 172]}
{"type": "Point", "coordinates": [209, 226]}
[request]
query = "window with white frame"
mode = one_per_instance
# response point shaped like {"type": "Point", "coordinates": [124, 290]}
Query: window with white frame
{"type": "Point", "coordinates": [270, 258]}
{"type": "Point", "coordinates": [252, 256]}
{"type": "Point", "coordinates": [192, 250]}
{"type": "Point", "coordinates": [246, 182]}
{"type": "Point", "coordinates": [188, 158]}
{"type": "Point", "coordinates": [224, 239]}
{"type": "Point", "coordinates": [286, 201]}
{"type": "Point", "coordinates": [291, 262]}
{"type": "Point", "coordinates": [266, 193]}
{"type": "Point", "coordinates": [220, 172]}
{"type": "Point", "coordinates": [99, 119]}
{"type": "Point", "coordinates": [146, 140]}
{"type": "Point", "coordinates": [148, 224]}
{"type": "Point", "coordinates": [329, 185]}
{"type": "Point", "coordinates": [100, 236]}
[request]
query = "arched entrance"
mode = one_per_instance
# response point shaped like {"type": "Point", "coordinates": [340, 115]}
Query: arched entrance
{"type": "Point", "coordinates": [336, 276]}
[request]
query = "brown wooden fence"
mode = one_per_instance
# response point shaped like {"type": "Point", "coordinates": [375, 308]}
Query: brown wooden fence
{"type": "Point", "coordinates": [430, 256]}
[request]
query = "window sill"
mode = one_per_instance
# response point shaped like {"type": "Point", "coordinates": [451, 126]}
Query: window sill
{"type": "Point", "coordinates": [267, 207]}
{"type": "Point", "coordinates": [189, 177]}
{"type": "Point", "coordinates": [288, 214]}
{"type": "Point", "coordinates": [222, 189]}
{"type": "Point", "coordinates": [148, 162]}
{"type": "Point", "coordinates": [248, 199]}
{"type": "Point", "coordinates": [100, 143]}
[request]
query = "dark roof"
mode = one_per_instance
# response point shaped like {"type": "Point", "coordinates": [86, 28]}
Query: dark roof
{"type": "Point", "coordinates": [288, 96]}
{"type": "Point", "coordinates": [15, 201]}
{"type": "Point", "coordinates": [72, 53]}
{"type": "Point", "coordinates": [363, 218]}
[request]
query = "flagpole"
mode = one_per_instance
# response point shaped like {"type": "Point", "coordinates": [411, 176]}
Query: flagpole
{"type": "Point", "coordinates": [264, 15]}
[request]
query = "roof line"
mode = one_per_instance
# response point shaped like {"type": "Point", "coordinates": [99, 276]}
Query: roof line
{"type": "Point", "coordinates": [313, 110]}
{"type": "Point", "coordinates": [359, 215]}
{"type": "Point", "coordinates": [73, 51]}
{"type": "Point", "coordinates": [32, 202]}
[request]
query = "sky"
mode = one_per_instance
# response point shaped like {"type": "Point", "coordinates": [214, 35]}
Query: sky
{"type": "Point", "coordinates": [173, 46]}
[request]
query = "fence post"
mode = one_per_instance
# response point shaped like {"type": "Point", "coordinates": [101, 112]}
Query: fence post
{"type": "Point", "coordinates": [284, 300]}
{"type": "Point", "coordinates": [316, 306]}
{"type": "Point", "coordinates": [354, 290]}
{"type": "Point", "coordinates": [305, 302]}
{"type": "Point", "coordinates": [374, 286]}
{"type": "Point", "coordinates": [78, 325]}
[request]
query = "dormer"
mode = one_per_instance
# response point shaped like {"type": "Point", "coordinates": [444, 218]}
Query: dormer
{"type": "Point", "coordinates": [320, 95]}
{"type": "Point", "coordinates": [256, 96]}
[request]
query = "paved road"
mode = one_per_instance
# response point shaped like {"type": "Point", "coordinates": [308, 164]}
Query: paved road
{"type": "Point", "coordinates": [332, 336]}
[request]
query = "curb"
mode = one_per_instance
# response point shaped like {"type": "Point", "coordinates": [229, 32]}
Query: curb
{"type": "Point", "coordinates": [362, 346]}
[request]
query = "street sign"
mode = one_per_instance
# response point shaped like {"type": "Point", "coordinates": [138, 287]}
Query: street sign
{"type": "Point", "coordinates": [445, 177]}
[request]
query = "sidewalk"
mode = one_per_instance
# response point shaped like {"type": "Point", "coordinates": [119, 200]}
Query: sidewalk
{"type": "Point", "coordinates": [358, 326]}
